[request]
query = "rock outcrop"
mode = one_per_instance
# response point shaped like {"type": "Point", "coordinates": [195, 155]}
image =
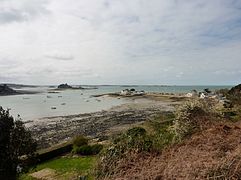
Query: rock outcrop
{"type": "Point", "coordinates": [64, 86]}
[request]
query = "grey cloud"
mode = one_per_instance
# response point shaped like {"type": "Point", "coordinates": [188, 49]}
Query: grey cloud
{"type": "Point", "coordinates": [10, 16]}
{"type": "Point", "coordinates": [16, 11]}
{"type": "Point", "coordinates": [58, 56]}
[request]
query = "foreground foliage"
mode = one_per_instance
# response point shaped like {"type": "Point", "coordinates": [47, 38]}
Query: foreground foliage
{"type": "Point", "coordinates": [17, 147]}
{"type": "Point", "coordinates": [198, 141]}
{"type": "Point", "coordinates": [135, 140]}
{"type": "Point", "coordinates": [192, 115]}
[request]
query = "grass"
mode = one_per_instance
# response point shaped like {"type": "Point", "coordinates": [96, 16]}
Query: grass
{"type": "Point", "coordinates": [65, 167]}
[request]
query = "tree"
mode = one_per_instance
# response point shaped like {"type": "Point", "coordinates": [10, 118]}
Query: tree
{"type": "Point", "coordinates": [17, 146]}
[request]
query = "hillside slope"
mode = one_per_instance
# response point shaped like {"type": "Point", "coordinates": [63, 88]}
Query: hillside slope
{"type": "Point", "coordinates": [212, 153]}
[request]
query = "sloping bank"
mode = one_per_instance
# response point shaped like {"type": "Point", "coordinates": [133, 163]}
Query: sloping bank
{"type": "Point", "coordinates": [198, 144]}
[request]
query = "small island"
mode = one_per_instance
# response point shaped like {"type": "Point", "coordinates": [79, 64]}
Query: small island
{"type": "Point", "coordinates": [66, 87]}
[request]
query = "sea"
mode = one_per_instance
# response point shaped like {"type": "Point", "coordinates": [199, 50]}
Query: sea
{"type": "Point", "coordinates": [69, 102]}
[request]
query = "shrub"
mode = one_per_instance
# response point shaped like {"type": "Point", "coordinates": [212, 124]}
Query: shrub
{"type": "Point", "coordinates": [80, 141]}
{"type": "Point", "coordinates": [96, 148]}
{"type": "Point", "coordinates": [87, 149]}
{"type": "Point", "coordinates": [135, 140]}
{"type": "Point", "coordinates": [191, 115]}
{"type": "Point", "coordinates": [163, 136]}
{"type": "Point", "coordinates": [136, 131]}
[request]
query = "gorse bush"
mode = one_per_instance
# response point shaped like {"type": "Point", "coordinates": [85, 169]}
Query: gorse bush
{"type": "Point", "coordinates": [87, 149]}
{"type": "Point", "coordinates": [191, 115]}
{"type": "Point", "coordinates": [80, 146]}
{"type": "Point", "coordinates": [80, 141]}
{"type": "Point", "coordinates": [135, 140]}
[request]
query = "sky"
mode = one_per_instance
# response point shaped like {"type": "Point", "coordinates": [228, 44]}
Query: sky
{"type": "Point", "coordinates": [161, 42]}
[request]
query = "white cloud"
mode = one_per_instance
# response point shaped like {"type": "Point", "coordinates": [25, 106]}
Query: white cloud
{"type": "Point", "coordinates": [121, 42]}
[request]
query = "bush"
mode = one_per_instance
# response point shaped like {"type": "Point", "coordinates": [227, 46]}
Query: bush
{"type": "Point", "coordinates": [191, 115]}
{"type": "Point", "coordinates": [80, 141]}
{"type": "Point", "coordinates": [96, 148]}
{"type": "Point", "coordinates": [136, 131]}
{"type": "Point", "coordinates": [87, 149]}
{"type": "Point", "coordinates": [135, 140]}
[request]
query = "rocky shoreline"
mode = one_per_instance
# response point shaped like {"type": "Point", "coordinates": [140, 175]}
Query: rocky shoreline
{"type": "Point", "coordinates": [54, 130]}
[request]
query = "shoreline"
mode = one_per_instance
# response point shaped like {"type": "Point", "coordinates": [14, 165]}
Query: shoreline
{"type": "Point", "coordinates": [50, 131]}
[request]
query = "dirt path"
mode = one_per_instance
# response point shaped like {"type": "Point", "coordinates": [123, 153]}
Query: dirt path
{"type": "Point", "coordinates": [44, 174]}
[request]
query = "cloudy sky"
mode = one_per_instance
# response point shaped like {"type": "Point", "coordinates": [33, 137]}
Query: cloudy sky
{"type": "Point", "coordinates": [178, 42]}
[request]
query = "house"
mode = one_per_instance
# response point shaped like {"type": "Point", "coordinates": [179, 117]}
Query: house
{"type": "Point", "coordinates": [202, 95]}
{"type": "Point", "coordinates": [125, 92]}
{"type": "Point", "coordinates": [189, 95]}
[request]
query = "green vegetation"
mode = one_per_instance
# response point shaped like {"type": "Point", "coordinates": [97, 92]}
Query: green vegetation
{"type": "Point", "coordinates": [167, 130]}
{"type": "Point", "coordinates": [190, 116]}
{"type": "Point", "coordinates": [81, 146]}
{"type": "Point", "coordinates": [65, 167]}
{"type": "Point", "coordinates": [87, 149]}
{"type": "Point", "coordinates": [232, 109]}
{"type": "Point", "coordinates": [17, 147]}
{"type": "Point", "coordinates": [80, 141]}
{"type": "Point", "coordinates": [135, 140]}
{"type": "Point", "coordinates": [157, 134]}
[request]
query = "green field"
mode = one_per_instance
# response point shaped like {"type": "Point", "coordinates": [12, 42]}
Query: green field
{"type": "Point", "coordinates": [65, 168]}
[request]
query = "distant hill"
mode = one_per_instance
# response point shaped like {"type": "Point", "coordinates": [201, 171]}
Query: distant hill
{"type": "Point", "coordinates": [19, 86]}
{"type": "Point", "coordinates": [236, 90]}
{"type": "Point", "coordinates": [234, 95]}
{"type": "Point", "coordinates": [5, 90]}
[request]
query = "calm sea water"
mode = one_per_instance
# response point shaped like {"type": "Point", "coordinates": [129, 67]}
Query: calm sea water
{"type": "Point", "coordinates": [33, 106]}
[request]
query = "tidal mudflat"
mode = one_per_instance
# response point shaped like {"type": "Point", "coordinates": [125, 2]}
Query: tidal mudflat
{"type": "Point", "coordinates": [53, 130]}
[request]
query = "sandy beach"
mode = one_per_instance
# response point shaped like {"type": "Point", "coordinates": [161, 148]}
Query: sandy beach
{"type": "Point", "coordinates": [50, 131]}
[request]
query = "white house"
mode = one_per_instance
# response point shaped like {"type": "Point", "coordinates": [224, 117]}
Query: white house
{"type": "Point", "coordinates": [189, 95]}
{"type": "Point", "coordinates": [125, 92]}
{"type": "Point", "coordinates": [202, 95]}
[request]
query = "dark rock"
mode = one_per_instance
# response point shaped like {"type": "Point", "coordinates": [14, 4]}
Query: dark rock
{"type": "Point", "coordinates": [64, 86]}
{"type": "Point", "coordinates": [5, 90]}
